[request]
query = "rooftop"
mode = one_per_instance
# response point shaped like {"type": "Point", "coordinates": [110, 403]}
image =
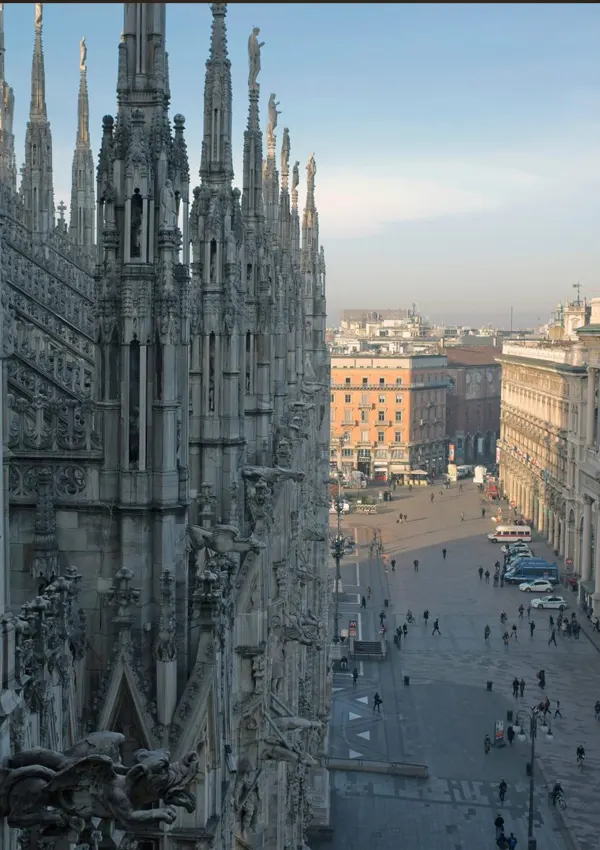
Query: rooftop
{"type": "Point", "coordinates": [564, 352]}
{"type": "Point", "coordinates": [472, 355]}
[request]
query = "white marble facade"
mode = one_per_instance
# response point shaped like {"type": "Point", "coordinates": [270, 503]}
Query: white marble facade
{"type": "Point", "coordinates": [166, 451]}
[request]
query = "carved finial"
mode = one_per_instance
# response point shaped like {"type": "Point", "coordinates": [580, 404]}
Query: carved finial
{"type": "Point", "coordinates": [285, 158]}
{"type": "Point", "coordinates": [82, 54]}
{"type": "Point", "coordinates": [166, 648]}
{"type": "Point", "coordinates": [62, 208]}
{"type": "Point", "coordinates": [122, 596]}
{"type": "Point", "coordinates": [39, 12]}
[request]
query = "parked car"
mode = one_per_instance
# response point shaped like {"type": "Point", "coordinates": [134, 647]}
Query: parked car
{"type": "Point", "coordinates": [519, 556]}
{"type": "Point", "coordinates": [539, 584]}
{"type": "Point", "coordinates": [550, 602]}
{"type": "Point", "coordinates": [510, 548]}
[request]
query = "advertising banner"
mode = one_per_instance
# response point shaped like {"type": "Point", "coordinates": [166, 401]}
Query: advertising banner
{"type": "Point", "coordinates": [499, 733]}
{"type": "Point", "coordinates": [352, 628]}
{"type": "Point", "coordinates": [451, 453]}
{"type": "Point", "coordinates": [497, 454]}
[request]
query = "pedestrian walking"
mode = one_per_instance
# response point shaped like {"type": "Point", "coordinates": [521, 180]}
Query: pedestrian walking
{"type": "Point", "coordinates": [552, 638]}
{"type": "Point", "coordinates": [462, 517]}
{"type": "Point", "coordinates": [486, 633]}
{"type": "Point", "coordinates": [381, 617]}
{"type": "Point", "coordinates": [436, 627]}
{"type": "Point", "coordinates": [393, 563]}
{"type": "Point", "coordinates": [416, 565]}
{"type": "Point", "coordinates": [363, 602]}
{"type": "Point", "coordinates": [529, 611]}
{"type": "Point", "coordinates": [460, 488]}
{"type": "Point", "coordinates": [377, 701]}
{"type": "Point", "coordinates": [522, 687]}
{"type": "Point", "coordinates": [405, 629]}
{"type": "Point", "coordinates": [399, 518]}
{"type": "Point", "coordinates": [432, 497]}
{"type": "Point", "coordinates": [444, 554]}
{"type": "Point", "coordinates": [502, 790]}
{"type": "Point", "coordinates": [531, 628]}
{"type": "Point", "coordinates": [426, 615]}
{"type": "Point", "coordinates": [557, 712]}
{"type": "Point", "coordinates": [499, 824]}
{"type": "Point", "coordinates": [515, 686]}
{"type": "Point", "coordinates": [521, 612]}
{"type": "Point", "coordinates": [514, 631]}
{"type": "Point", "coordinates": [483, 513]}
{"type": "Point", "coordinates": [551, 621]}
{"type": "Point", "coordinates": [344, 662]}
{"type": "Point", "coordinates": [542, 678]}
{"type": "Point", "coordinates": [405, 517]}
{"type": "Point", "coordinates": [510, 734]}
{"type": "Point", "coordinates": [369, 592]}
{"type": "Point", "coordinates": [512, 841]}
{"type": "Point", "coordinates": [354, 676]}
{"type": "Point", "coordinates": [480, 571]}
{"type": "Point", "coordinates": [487, 576]}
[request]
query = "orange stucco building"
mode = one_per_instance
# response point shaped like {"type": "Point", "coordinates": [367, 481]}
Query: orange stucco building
{"type": "Point", "coordinates": [388, 414]}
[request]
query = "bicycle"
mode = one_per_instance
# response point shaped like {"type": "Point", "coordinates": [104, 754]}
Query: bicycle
{"type": "Point", "coordinates": [560, 801]}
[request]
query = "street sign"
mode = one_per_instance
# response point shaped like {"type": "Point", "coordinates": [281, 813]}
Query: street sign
{"type": "Point", "coordinates": [352, 628]}
{"type": "Point", "coordinates": [499, 733]}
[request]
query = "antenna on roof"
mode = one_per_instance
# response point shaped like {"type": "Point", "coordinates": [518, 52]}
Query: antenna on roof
{"type": "Point", "coordinates": [577, 286]}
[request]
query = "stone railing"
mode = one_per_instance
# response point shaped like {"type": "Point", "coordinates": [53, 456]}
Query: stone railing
{"type": "Point", "coordinates": [564, 353]}
{"type": "Point", "coordinates": [51, 427]}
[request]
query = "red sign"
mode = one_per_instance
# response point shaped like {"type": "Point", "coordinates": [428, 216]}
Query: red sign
{"type": "Point", "coordinates": [352, 628]}
{"type": "Point", "coordinates": [451, 452]}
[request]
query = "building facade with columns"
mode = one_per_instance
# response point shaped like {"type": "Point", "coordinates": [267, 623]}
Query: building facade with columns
{"type": "Point", "coordinates": [541, 432]}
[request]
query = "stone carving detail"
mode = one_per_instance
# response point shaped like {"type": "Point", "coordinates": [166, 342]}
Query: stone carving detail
{"type": "Point", "coordinates": [245, 796]}
{"type": "Point", "coordinates": [69, 481]}
{"type": "Point", "coordinates": [59, 793]}
{"type": "Point", "coordinates": [166, 647]}
{"type": "Point", "coordinates": [122, 596]}
{"type": "Point", "coordinates": [222, 540]}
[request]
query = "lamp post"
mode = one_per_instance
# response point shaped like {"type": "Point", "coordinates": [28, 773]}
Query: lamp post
{"type": "Point", "coordinates": [339, 547]}
{"type": "Point", "coordinates": [532, 716]}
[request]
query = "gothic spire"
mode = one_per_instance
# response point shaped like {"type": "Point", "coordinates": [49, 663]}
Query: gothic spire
{"type": "Point", "coordinates": [252, 198]}
{"type": "Point", "coordinates": [217, 165]}
{"type": "Point", "coordinates": [8, 168]}
{"type": "Point", "coordinates": [37, 109]}
{"type": "Point", "coordinates": [142, 55]}
{"type": "Point", "coordinates": [37, 189]}
{"type": "Point", "coordinates": [310, 220]}
{"type": "Point", "coordinates": [83, 205]}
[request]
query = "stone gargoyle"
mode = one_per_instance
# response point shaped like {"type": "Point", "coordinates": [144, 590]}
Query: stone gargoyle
{"type": "Point", "coordinates": [60, 793]}
{"type": "Point", "coordinates": [222, 539]}
{"type": "Point", "coordinates": [272, 474]}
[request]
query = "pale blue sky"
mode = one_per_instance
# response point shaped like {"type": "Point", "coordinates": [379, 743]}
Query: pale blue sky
{"type": "Point", "coordinates": [457, 146]}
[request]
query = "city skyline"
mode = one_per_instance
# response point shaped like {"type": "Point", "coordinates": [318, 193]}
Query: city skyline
{"type": "Point", "coordinates": [482, 181]}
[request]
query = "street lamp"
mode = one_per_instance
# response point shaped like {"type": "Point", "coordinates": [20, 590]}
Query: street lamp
{"type": "Point", "coordinates": [339, 546]}
{"type": "Point", "coordinates": [531, 715]}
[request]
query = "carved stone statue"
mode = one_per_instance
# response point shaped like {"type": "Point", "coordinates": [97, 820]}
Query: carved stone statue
{"type": "Point", "coordinates": [245, 795]}
{"type": "Point", "coordinates": [39, 11]}
{"type": "Point", "coordinates": [311, 168]}
{"type": "Point", "coordinates": [285, 151]}
{"type": "Point", "coordinates": [222, 539]}
{"type": "Point", "coordinates": [254, 46]}
{"type": "Point", "coordinates": [272, 474]}
{"type": "Point", "coordinates": [82, 54]}
{"type": "Point", "coordinates": [61, 793]}
{"type": "Point", "coordinates": [273, 114]}
{"type": "Point", "coordinates": [295, 175]}
{"type": "Point", "coordinates": [293, 724]}
{"type": "Point", "coordinates": [168, 209]}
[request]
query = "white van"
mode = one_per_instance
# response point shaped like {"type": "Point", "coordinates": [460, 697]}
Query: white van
{"type": "Point", "coordinates": [510, 534]}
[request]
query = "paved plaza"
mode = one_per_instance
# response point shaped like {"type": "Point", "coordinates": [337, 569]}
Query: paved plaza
{"type": "Point", "coordinates": [441, 717]}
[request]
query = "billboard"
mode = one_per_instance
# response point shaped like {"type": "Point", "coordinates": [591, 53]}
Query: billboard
{"type": "Point", "coordinates": [451, 453]}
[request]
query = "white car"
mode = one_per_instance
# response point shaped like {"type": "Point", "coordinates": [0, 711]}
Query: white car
{"type": "Point", "coordinates": [345, 507]}
{"type": "Point", "coordinates": [539, 584]}
{"type": "Point", "coordinates": [550, 602]}
{"type": "Point", "coordinates": [512, 548]}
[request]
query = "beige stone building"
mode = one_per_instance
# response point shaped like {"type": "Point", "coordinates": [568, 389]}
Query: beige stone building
{"type": "Point", "coordinates": [543, 395]}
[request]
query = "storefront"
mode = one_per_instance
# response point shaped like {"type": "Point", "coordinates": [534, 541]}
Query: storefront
{"type": "Point", "coordinates": [380, 471]}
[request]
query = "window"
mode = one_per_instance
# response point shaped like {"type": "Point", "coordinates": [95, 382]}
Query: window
{"type": "Point", "coordinates": [332, 398]}
{"type": "Point", "coordinates": [382, 382]}
{"type": "Point", "coordinates": [348, 380]}
{"type": "Point", "coordinates": [381, 436]}
{"type": "Point", "coordinates": [397, 436]}
{"type": "Point", "coordinates": [380, 452]}
{"type": "Point", "coordinates": [381, 416]}
{"type": "Point", "coordinates": [347, 398]}
{"type": "Point", "coordinates": [381, 399]}
{"type": "Point", "coordinates": [398, 416]}
{"type": "Point", "coordinates": [398, 382]}
{"type": "Point", "coordinates": [365, 382]}
{"type": "Point", "coordinates": [364, 436]}
{"type": "Point", "coordinates": [364, 399]}
{"type": "Point", "coordinates": [347, 452]}
{"type": "Point", "coordinates": [397, 454]}
{"type": "Point", "coordinates": [398, 399]}
{"type": "Point", "coordinates": [347, 415]}
{"type": "Point", "coordinates": [364, 416]}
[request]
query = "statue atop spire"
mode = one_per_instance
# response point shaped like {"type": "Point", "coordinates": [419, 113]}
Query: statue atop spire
{"type": "Point", "coordinates": [274, 113]}
{"type": "Point", "coordinates": [285, 158]}
{"type": "Point", "coordinates": [83, 204]}
{"type": "Point", "coordinates": [254, 46]}
{"type": "Point", "coordinates": [37, 190]}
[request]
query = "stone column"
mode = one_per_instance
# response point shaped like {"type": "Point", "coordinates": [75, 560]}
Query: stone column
{"type": "Point", "coordinates": [596, 594]}
{"type": "Point", "coordinates": [540, 517]}
{"type": "Point", "coordinates": [586, 554]}
{"type": "Point", "coordinates": [556, 531]}
{"type": "Point", "coordinates": [590, 437]}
